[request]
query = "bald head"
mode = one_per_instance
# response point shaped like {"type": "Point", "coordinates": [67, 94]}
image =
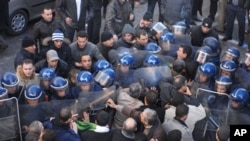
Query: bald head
{"type": "Point", "coordinates": [129, 125]}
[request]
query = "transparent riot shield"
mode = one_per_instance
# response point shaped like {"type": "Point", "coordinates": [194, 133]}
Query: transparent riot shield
{"type": "Point", "coordinates": [97, 100]}
{"type": "Point", "coordinates": [216, 106]}
{"type": "Point", "coordinates": [9, 120]}
{"type": "Point", "coordinates": [150, 76]}
{"type": "Point", "coordinates": [124, 78]}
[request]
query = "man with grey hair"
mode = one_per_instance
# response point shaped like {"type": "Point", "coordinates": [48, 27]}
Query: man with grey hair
{"type": "Point", "coordinates": [127, 133]}
{"type": "Point", "coordinates": [127, 97]}
{"type": "Point", "coordinates": [148, 118]}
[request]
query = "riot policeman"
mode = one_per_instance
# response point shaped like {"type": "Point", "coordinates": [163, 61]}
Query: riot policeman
{"type": "Point", "coordinates": [46, 75]}
{"type": "Point", "coordinates": [204, 77]}
{"type": "Point", "coordinates": [233, 54]}
{"type": "Point", "coordinates": [243, 73]}
{"type": "Point", "coordinates": [10, 81]}
{"type": "Point", "coordinates": [124, 73]}
{"type": "Point", "coordinates": [214, 44]}
{"type": "Point", "coordinates": [85, 83]}
{"type": "Point", "coordinates": [60, 89]}
{"type": "Point", "coordinates": [239, 110]}
{"type": "Point", "coordinates": [203, 54]}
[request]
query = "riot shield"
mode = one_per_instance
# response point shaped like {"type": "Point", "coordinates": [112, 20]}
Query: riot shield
{"type": "Point", "coordinates": [97, 100]}
{"type": "Point", "coordinates": [216, 106]}
{"type": "Point", "coordinates": [124, 79]}
{"type": "Point", "coordinates": [9, 120]}
{"type": "Point", "coordinates": [152, 75]}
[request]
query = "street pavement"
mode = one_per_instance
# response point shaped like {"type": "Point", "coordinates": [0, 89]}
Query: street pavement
{"type": "Point", "coordinates": [14, 42]}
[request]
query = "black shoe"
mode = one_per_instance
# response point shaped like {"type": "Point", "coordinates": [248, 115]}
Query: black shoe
{"type": "Point", "coordinates": [219, 31]}
{"type": "Point", "coordinates": [226, 38]}
{"type": "Point", "coordinates": [240, 44]}
{"type": "Point", "coordinates": [195, 18]}
{"type": "Point", "coordinates": [192, 22]}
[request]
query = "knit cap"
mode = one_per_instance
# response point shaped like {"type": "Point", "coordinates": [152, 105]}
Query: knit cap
{"type": "Point", "coordinates": [27, 41]}
{"type": "Point", "coordinates": [57, 35]}
{"type": "Point", "coordinates": [106, 35]}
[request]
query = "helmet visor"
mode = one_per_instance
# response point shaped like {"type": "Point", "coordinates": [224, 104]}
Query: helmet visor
{"type": "Point", "coordinates": [102, 78]}
{"type": "Point", "coordinates": [201, 57]}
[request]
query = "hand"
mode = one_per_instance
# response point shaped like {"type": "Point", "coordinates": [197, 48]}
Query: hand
{"type": "Point", "coordinates": [188, 92]}
{"type": "Point", "coordinates": [141, 23]}
{"type": "Point", "coordinates": [189, 83]}
{"type": "Point", "coordinates": [131, 17]}
{"type": "Point", "coordinates": [166, 106]}
{"type": "Point", "coordinates": [78, 64]}
{"type": "Point", "coordinates": [85, 116]}
{"type": "Point", "coordinates": [73, 126]}
{"type": "Point", "coordinates": [111, 103]}
{"type": "Point", "coordinates": [115, 38]}
{"type": "Point", "coordinates": [68, 21]}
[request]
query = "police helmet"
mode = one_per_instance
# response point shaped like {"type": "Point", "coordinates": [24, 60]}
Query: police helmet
{"type": "Point", "coordinates": [223, 80]}
{"type": "Point", "coordinates": [3, 92]}
{"type": "Point", "coordinates": [179, 28]}
{"type": "Point", "coordinates": [33, 92]}
{"type": "Point", "coordinates": [152, 60]}
{"type": "Point", "coordinates": [126, 60]}
{"type": "Point", "coordinates": [101, 64]}
{"type": "Point", "coordinates": [59, 83]}
{"type": "Point", "coordinates": [167, 36]}
{"type": "Point", "coordinates": [208, 68]}
{"type": "Point", "coordinates": [213, 43]}
{"type": "Point", "coordinates": [203, 54]}
{"type": "Point", "coordinates": [234, 52]}
{"type": "Point", "coordinates": [9, 79]}
{"type": "Point", "coordinates": [228, 65]}
{"type": "Point", "coordinates": [47, 74]}
{"type": "Point", "coordinates": [152, 47]}
{"type": "Point", "coordinates": [84, 77]}
{"type": "Point", "coordinates": [158, 27]}
{"type": "Point", "coordinates": [105, 77]}
{"type": "Point", "coordinates": [240, 95]}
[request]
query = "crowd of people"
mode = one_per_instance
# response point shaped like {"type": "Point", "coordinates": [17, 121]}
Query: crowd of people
{"type": "Point", "coordinates": [156, 81]}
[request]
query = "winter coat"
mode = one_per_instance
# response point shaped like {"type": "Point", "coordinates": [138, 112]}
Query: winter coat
{"type": "Point", "coordinates": [117, 16]}
{"type": "Point", "coordinates": [61, 69]}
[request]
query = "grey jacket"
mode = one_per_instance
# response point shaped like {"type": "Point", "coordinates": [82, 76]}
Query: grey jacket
{"type": "Point", "coordinates": [117, 16]}
{"type": "Point", "coordinates": [67, 8]}
{"type": "Point", "coordinates": [89, 48]}
{"type": "Point", "coordinates": [172, 124]}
